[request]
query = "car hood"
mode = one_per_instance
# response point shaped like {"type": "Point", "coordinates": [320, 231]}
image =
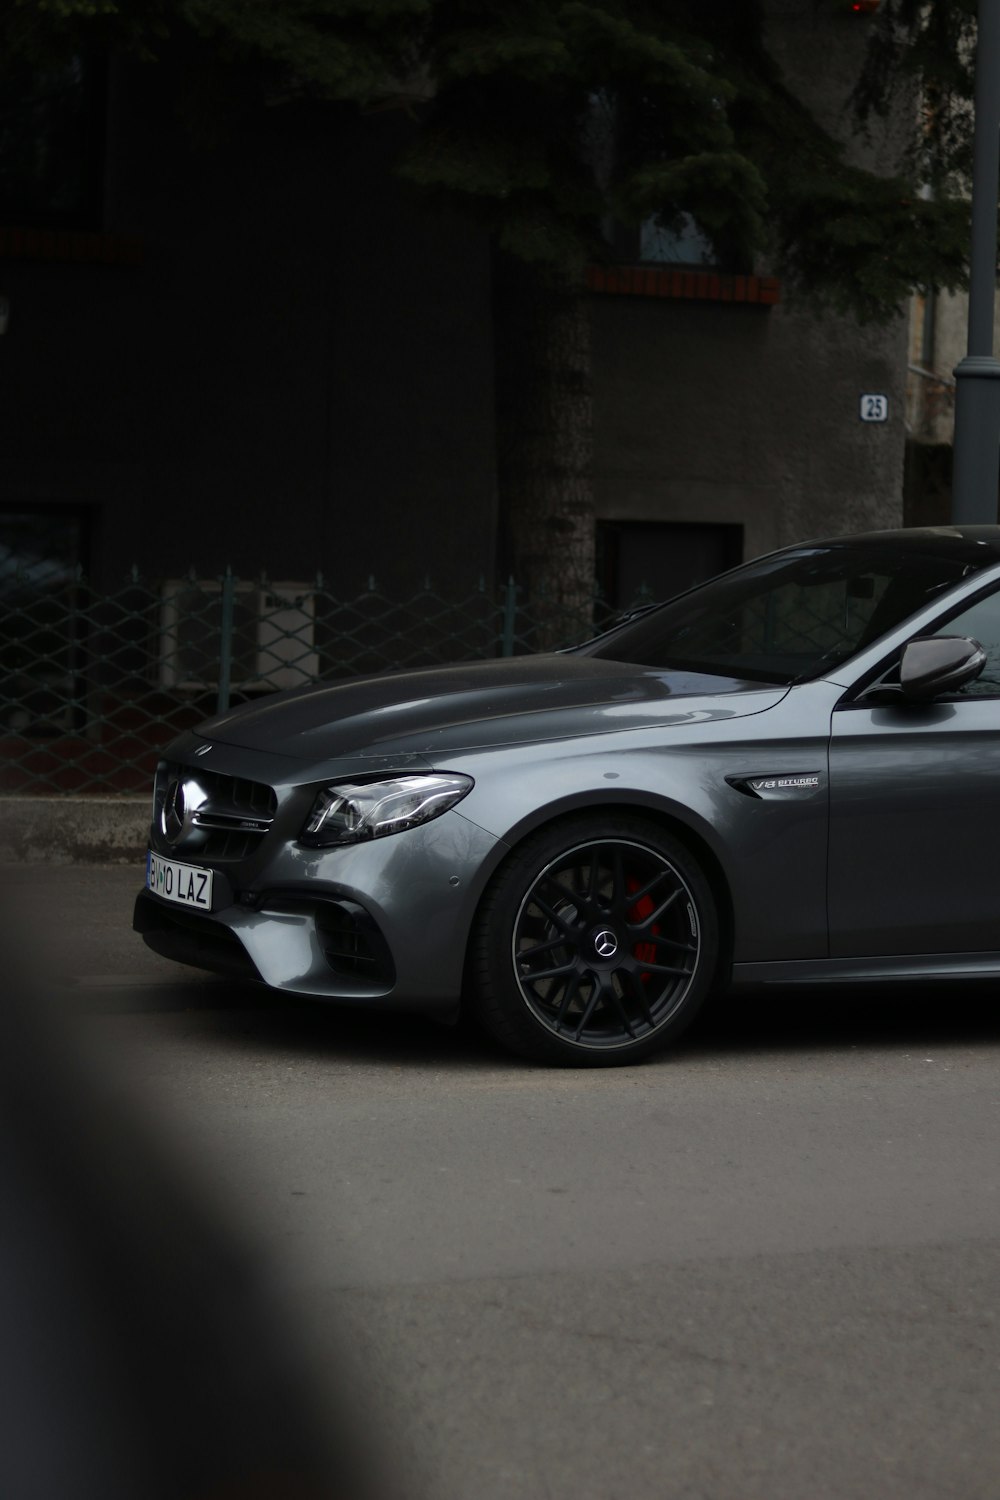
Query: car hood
{"type": "Point", "coordinates": [481, 705]}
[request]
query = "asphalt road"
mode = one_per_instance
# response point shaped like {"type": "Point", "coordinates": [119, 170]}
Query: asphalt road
{"type": "Point", "coordinates": [765, 1265]}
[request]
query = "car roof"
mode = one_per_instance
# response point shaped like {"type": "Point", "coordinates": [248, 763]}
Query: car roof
{"type": "Point", "coordinates": [957, 541]}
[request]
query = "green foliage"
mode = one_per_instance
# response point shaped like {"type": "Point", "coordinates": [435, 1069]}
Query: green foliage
{"type": "Point", "coordinates": [546, 120]}
{"type": "Point", "coordinates": [851, 239]}
{"type": "Point", "coordinates": [925, 48]}
{"type": "Point", "coordinates": [550, 118]}
{"type": "Point", "coordinates": [855, 249]}
{"type": "Point", "coordinates": [730, 192]}
{"type": "Point", "coordinates": [339, 49]}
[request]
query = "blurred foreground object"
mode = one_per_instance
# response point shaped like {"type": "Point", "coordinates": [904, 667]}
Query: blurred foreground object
{"type": "Point", "coordinates": [144, 1354]}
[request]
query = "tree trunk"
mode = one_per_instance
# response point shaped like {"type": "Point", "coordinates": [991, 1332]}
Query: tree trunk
{"type": "Point", "coordinates": [545, 447]}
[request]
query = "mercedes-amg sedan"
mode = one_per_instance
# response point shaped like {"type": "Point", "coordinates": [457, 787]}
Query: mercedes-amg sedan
{"type": "Point", "coordinates": [788, 774]}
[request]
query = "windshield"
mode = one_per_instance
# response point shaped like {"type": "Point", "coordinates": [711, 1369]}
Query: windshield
{"type": "Point", "coordinates": [790, 616]}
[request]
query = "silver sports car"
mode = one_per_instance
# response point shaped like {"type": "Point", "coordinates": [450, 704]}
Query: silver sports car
{"type": "Point", "coordinates": [788, 774]}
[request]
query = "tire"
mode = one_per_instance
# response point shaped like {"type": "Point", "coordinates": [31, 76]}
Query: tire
{"type": "Point", "coordinates": [595, 944]}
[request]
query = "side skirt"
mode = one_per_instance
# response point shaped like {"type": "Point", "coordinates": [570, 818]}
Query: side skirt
{"type": "Point", "coordinates": [916, 966]}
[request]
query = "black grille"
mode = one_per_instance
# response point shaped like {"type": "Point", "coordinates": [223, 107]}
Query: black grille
{"type": "Point", "coordinates": [351, 939]}
{"type": "Point", "coordinates": [352, 942]}
{"type": "Point", "coordinates": [190, 938]}
{"type": "Point", "coordinates": [228, 797]}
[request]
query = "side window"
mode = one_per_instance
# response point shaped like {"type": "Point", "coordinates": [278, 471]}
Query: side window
{"type": "Point", "coordinates": [821, 616]}
{"type": "Point", "coordinates": [982, 622]}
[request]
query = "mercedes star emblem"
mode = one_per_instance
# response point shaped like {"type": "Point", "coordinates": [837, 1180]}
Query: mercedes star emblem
{"type": "Point", "coordinates": [606, 944]}
{"type": "Point", "coordinates": [181, 803]}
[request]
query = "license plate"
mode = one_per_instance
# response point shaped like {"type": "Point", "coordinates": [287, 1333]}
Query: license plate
{"type": "Point", "coordinates": [185, 884]}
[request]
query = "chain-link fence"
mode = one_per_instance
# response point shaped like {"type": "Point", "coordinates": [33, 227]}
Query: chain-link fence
{"type": "Point", "coordinates": [93, 685]}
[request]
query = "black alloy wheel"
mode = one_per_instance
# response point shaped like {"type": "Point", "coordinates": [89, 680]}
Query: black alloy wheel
{"type": "Point", "coordinates": [596, 943]}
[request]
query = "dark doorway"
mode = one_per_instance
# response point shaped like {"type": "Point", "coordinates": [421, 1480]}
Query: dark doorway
{"type": "Point", "coordinates": [639, 561]}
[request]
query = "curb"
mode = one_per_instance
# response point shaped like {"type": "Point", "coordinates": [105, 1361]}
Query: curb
{"type": "Point", "coordinates": [73, 830]}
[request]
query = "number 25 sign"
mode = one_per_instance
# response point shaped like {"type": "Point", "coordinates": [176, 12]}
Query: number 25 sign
{"type": "Point", "coordinates": [874, 408]}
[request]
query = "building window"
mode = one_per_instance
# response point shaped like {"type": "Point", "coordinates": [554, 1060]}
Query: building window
{"type": "Point", "coordinates": [679, 244]}
{"type": "Point", "coordinates": [655, 243]}
{"type": "Point", "coordinates": [52, 145]}
{"type": "Point", "coordinates": [676, 239]}
{"type": "Point", "coordinates": [42, 630]}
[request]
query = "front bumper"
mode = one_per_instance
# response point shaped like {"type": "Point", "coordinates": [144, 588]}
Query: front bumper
{"type": "Point", "coordinates": [380, 923]}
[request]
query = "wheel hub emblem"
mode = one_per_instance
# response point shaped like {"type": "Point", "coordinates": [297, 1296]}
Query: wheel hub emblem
{"type": "Point", "coordinates": [605, 944]}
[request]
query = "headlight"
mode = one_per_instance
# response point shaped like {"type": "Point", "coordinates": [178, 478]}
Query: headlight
{"type": "Point", "coordinates": [352, 811]}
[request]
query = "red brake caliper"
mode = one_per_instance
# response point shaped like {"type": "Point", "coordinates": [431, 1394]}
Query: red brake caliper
{"type": "Point", "coordinates": [644, 952]}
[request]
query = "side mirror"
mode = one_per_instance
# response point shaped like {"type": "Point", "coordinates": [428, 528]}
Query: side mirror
{"type": "Point", "coordinates": [937, 664]}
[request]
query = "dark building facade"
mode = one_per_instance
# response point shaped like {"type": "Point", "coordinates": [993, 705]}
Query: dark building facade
{"type": "Point", "coordinates": [266, 354]}
{"type": "Point", "coordinates": [245, 342]}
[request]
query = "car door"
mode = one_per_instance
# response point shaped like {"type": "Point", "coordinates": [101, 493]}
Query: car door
{"type": "Point", "coordinates": [914, 852]}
